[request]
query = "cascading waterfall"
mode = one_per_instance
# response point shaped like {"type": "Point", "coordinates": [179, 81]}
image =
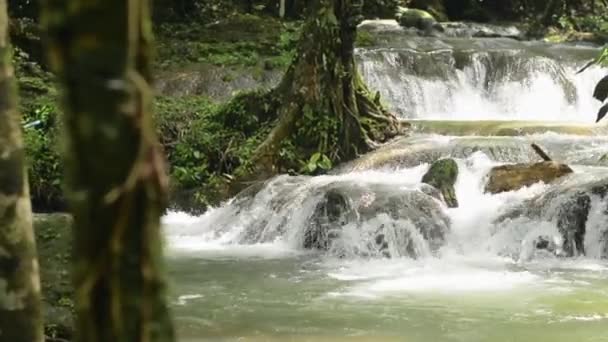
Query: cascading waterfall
{"type": "Point", "coordinates": [289, 256]}
{"type": "Point", "coordinates": [382, 209]}
{"type": "Point", "coordinates": [389, 213]}
{"type": "Point", "coordinates": [480, 85]}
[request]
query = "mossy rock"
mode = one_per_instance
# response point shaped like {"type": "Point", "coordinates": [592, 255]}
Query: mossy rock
{"type": "Point", "coordinates": [443, 175]}
{"type": "Point", "coordinates": [434, 7]}
{"type": "Point", "coordinates": [516, 176]}
{"type": "Point", "coordinates": [417, 18]}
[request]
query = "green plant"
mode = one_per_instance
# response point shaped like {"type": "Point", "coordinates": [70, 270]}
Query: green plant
{"type": "Point", "coordinates": [317, 162]}
{"type": "Point", "coordinates": [601, 89]}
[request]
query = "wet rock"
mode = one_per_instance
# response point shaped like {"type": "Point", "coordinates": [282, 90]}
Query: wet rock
{"type": "Point", "coordinates": [422, 20]}
{"type": "Point", "coordinates": [330, 213]}
{"type": "Point", "coordinates": [434, 7]}
{"type": "Point", "coordinates": [568, 207]}
{"type": "Point", "coordinates": [544, 243]}
{"type": "Point", "coordinates": [442, 175]}
{"type": "Point", "coordinates": [513, 177]}
{"type": "Point", "coordinates": [571, 222]}
{"type": "Point", "coordinates": [431, 191]}
{"type": "Point", "coordinates": [376, 220]}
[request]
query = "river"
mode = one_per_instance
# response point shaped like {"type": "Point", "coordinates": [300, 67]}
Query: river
{"type": "Point", "coordinates": [241, 273]}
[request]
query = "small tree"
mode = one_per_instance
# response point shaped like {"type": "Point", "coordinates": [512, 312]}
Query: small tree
{"type": "Point", "coordinates": [100, 51]}
{"type": "Point", "coordinates": [20, 318]}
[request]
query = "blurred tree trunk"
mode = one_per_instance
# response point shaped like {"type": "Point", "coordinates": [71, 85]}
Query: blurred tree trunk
{"type": "Point", "coordinates": [100, 51]}
{"type": "Point", "coordinates": [282, 9]}
{"type": "Point", "coordinates": [20, 317]}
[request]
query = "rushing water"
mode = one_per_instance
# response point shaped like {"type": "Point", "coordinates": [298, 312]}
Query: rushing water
{"type": "Point", "coordinates": [392, 263]}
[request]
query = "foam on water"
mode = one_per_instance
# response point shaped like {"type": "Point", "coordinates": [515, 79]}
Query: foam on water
{"type": "Point", "coordinates": [448, 275]}
{"type": "Point", "coordinates": [479, 256]}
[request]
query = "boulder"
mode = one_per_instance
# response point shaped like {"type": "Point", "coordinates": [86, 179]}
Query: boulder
{"type": "Point", "coordinates": [376, 220]}
{"type": "Point", "coordinates": [417, 18]}
{"type": "Point", "coordinates": [442, 175]}
{"type": "Point", "coordinates": [434, 7]}
{"type": "Point", "coordinates": [571, 223]}
{"type": "Point", "coordinates": [568, 207]}
{"type": "Point", "coordinates": [516, 176]}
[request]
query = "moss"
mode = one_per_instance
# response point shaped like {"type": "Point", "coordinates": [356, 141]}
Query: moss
{"type": "Point", "coordinates": [443, 175]}
{"type": "Point", "coordinates": [238, 40]}
{"type": "Point", "coordinates": [365, 39]}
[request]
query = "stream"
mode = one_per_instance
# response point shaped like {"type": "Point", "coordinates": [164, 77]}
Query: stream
{"type": "Point", "coordinates": [386, 261]}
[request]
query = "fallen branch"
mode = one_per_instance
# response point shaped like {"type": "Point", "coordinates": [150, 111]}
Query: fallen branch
{"type": "Point", "coordinates": [541, 152]}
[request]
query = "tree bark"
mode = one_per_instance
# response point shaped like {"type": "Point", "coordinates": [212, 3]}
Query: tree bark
{"type": "Point", "coordinates": [20, 317]}
{"type": "Point", "coordinates": [100, 51]}
{"type": "Point", "coordinates": [282, 9]}
{"type": "Point", "coordinates": [324, 106]}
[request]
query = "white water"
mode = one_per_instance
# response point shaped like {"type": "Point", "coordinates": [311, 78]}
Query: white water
{"type": "Point", "coordinates": [497, 85]}
{"type": "Point", "coordinates": [479, 255]}
{"type": "Point", "coordinates": [245, 271]}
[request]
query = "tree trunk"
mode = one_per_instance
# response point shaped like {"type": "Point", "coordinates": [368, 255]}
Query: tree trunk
{"type": "Point", "coordinates": [20, 317]}
{"type": "Point", "coordinates": [116, 183]}
{"type": "Point", "coordinates": [324, 105]}
{"type": "Point", "coordinates": [282, 9]}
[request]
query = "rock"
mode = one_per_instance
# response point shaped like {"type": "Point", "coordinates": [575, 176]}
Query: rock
{"type": "Point", "coordinates": [431, 191]}
{"type": "Point", "coordinates": [516, 176]}
{"type": "Point", "coordinates": [571, 222]}
{"type": "Point", "coordinates": [544, 243]}
{"type": "Point", "coordinates": [330, 213]}
{"type": "Point", "coordinates": [434, 7]}
{"type": "Point", "coordinates": [422, 20]}
{"type": "Point", "coordinates": [54, 246]}
{"type": "Point", "coordinates": [567, 206]}
{"type": "Point", "coordinates": [442, 175]}
{"type": "Point", "coordinates": [388, 222]}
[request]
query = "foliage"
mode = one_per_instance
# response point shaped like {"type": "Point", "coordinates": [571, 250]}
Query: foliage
{"type": "Point", "coordinates": [237, 40]}
{"type": "Point", "coordinates": [45, 167]}
{"type": "Point", "coordinates": [365, 39]}
{"type": "Point", "coordinates": [601, 89]}
{"type": "Point", "coordinates": [206, 142]}
{"type": "Point", "coordinates": [23, 8]}
{"type": "Point", "coordinates": [384, 9]}
{"type": "Point", "coordinates": [38, 107]}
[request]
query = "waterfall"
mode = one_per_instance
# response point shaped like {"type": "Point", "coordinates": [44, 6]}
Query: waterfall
{"type": "Point", "coordinates": [377, 207]}
{"type": "Point", "coordinates": [455, 82]}
{"type": "Point", "coordinates": [387, 212]}
{"type": "Point", "coordinates": [370, 252]}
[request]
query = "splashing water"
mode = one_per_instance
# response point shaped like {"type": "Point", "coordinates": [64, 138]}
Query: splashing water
{"type": "Point", "coordinates": [385, 260]}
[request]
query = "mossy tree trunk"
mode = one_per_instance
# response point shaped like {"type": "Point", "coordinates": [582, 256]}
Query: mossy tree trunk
{"type": "Point", "coordinates": [323, 104]}
{"type": "Point", "coordinates": [116, 183]}
{"type": "Point", "coordinates": [20, 317]}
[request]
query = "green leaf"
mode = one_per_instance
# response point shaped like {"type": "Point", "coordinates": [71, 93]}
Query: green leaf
{"type": "Point", "coordinates": [602, 112]}
{"type": "Point", "coordinates": [325, 163]}
{"type": "Point", "coordinates": [315, 158]}
{"type": "Point", "coordinates": [601, 90]}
